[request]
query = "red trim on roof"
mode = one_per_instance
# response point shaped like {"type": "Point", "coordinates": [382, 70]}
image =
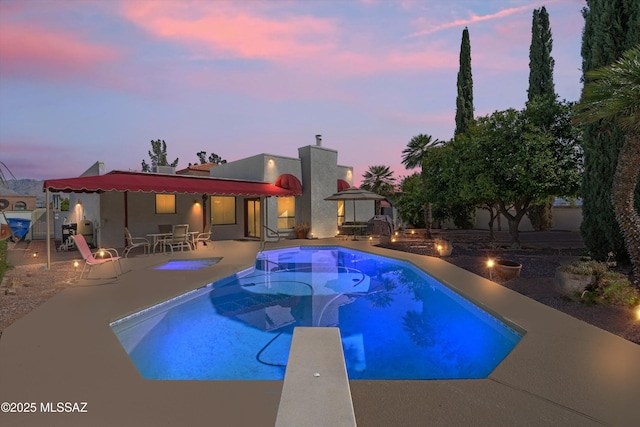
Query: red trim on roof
{"type": "Point", "coordinates": [343, 185]}
{"type": "Point", "coordinates": [289, 182]}
{"type": "Point", "coordinates": [163, 183]}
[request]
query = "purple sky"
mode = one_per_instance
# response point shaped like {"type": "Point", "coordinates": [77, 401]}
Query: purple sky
{"type": "Point", "coordinates": [89, 80]}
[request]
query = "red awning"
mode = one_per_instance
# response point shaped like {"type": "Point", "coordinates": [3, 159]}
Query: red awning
{"type": "Point", "coordinates": [289, 182]}
{"type": "Point", "coordinates": [343, 185]}
{"type": "Point", "coordinates": [163, 183]}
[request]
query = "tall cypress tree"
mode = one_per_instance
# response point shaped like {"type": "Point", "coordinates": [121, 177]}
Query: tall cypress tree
{"type": "Point", "coordinates": [464, 101]}
{"type": "Point", "coordinates": [540, 60]}
{"type": "Point", "coordinates": [611, 27]}
{"type": "Point", "coordinates": [542, 90]}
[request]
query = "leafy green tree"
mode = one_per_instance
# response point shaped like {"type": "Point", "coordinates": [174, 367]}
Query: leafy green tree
{"type": "Point", "coordinates": [610, 28]}
{"type": "Point", "coordinates": [415, 155]}
{"type": "Point", "coordinates": [613, 94]}
{"type": "Point", "coordinates": [411, 201]}
{"type": "Point", "coordinates": [379, 179]}
{"type": "Point", "coordinates": [508, 161]}
{"type": "Point", "coordinates": [158, 156]}
{"type": "Point", "coordinates": [464, 101]}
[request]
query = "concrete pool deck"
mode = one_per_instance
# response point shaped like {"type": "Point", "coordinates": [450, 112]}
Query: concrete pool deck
{"type": "Point", "coordinates": [563, 372]}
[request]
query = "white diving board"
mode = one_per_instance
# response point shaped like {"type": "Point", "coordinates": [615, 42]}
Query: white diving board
{"type": "Point", "coordinates": [316, 387]}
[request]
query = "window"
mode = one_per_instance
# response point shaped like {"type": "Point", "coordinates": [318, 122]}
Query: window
{"type": "Point", "coordinates": [340, 212]}
{"type": "Point", "coordinates": [286, 212]}
{"type": "Point", "coordinates": [165, 203]}
{"type": "Point", "coordinates": [20, 206]}
{"type": "Point", "coordinates": [223, 210]}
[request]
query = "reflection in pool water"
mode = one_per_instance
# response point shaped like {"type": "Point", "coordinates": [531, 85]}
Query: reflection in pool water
{"type": "Point", "coordinates": [188, 264]}
{"type": "Point", "coordinates": [396, 321]}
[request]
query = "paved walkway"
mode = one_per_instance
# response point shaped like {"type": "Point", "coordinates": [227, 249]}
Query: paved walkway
{"type": "Point", "coordinates": [563, 372]}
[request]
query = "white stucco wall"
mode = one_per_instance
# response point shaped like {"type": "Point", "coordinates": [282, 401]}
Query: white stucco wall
{"type": "Point", "coordinates": [142, 218]}
{"type": "Point", "coordinates": [564, 218]}
{"type": "Point", "coordinates": [345, 173]}
{"type": "Point", "coordinates": [319, 174]}
{"type": "Point", "coordinates": [261, 167]}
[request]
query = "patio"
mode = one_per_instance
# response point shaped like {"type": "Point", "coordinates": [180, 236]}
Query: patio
{"type": "Point", "coordinates": [563, 372]}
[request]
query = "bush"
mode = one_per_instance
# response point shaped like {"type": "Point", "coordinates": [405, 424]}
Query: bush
{"type": "Point", "coordinates": [615, 288]}
{"type": "Point", "coordinates": [586, 267]}
{"type": "Point", "coordinates": [609, 287]}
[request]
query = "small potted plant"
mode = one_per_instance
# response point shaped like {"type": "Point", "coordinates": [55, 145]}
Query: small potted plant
{"type": "Point", "coordinates": [578, 275]}
{"type": "Point", "coordinates": [507, 269]}
{"type": "Point", "coordinates": [302, 230]}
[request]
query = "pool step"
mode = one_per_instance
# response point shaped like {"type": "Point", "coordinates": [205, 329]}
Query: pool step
{"type": "Point", "coordinates": [316, 387]}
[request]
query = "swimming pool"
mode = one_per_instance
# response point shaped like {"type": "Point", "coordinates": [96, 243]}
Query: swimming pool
{"type": "Point", "coordinates": [396, 321]}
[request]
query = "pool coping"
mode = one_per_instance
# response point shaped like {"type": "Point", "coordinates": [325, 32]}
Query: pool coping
{"type": "Point", "coordinates": [563, 371]}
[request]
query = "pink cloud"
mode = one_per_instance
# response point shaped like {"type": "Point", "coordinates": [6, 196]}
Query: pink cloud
{"type": "Point", "coordinates": [55, 55]}
{"type": "Point", "coordinates": [473, 18]}
{"type": "Point", "coordinates": [231, 32]}
{"type": "Point", "coordinates": [317, 46]}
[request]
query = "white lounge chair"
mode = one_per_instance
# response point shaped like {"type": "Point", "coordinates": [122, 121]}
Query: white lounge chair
{"type": "Point", "coordinates": [202, 237]}
{"type": "Point", "coordinates": [179, 238]}
{"type": "Point", "coordinates": [90, 259]}
{"type": "Point", "coordinates": [135, 242]}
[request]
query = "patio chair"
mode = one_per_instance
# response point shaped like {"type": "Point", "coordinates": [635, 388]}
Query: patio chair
{"type": "Point", "coordinates": [179, 238]}
{"type": "Point", "coordinates": [90, 259]}
{"type": "Point", "coordinates": [202, 237]}
{"type": "Point", "coordinates": [135, 242]}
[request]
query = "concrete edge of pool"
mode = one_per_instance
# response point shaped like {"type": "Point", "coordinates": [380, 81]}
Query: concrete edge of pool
{"type": "Point", "coordinates": [563, 371]}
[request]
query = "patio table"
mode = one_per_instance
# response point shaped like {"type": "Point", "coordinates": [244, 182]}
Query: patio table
{"type": "Point", "coordinates": [192, 238]}
{"type": "Point", "coordinates": [157, 238]}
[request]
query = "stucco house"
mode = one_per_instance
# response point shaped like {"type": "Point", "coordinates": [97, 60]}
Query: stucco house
{"type": "Point", "coordinates": [257, 197]}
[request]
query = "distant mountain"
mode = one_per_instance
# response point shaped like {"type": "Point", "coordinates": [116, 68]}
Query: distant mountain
{"type": "Point", "coordinates": [25, 187]}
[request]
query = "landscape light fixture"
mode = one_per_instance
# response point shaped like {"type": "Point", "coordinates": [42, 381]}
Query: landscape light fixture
{"type": "Point", "coordinates": [490, 264]}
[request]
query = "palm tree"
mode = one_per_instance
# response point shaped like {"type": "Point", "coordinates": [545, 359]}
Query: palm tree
{"type": "Point", "coordinates": [379, 179]}
{"type": "Point", "coordinates": [413, 156]}
{"type": "Point", "coordinates": [613, 93]}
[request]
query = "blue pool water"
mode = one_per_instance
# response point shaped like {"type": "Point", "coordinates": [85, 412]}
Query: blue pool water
{"type": "Point", "coordinates": [396, 322]}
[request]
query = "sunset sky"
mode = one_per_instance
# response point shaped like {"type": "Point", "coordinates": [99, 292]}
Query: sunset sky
{"type": "Point", "coordinates": [96, 80]}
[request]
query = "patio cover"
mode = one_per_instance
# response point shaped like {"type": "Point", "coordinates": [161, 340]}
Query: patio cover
{"type": "Point", "coordinates": [163, 183]}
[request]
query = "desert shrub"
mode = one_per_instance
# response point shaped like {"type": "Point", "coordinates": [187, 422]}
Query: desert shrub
{"type": "Point", "coordinates": [615, 288]}
{"type": "Point", "coordinates": [586, 267]}
{"type": "Point", "coordinates": [609, 287]}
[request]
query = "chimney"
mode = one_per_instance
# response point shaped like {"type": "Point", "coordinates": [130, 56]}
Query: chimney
{"type": "Point", "coordinates": [319, 140]}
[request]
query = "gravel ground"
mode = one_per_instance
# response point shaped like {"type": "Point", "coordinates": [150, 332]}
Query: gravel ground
{"type": "Point", "coordinates": [539, 262]}
{"type": "Point", "coordinates": [27, 286]}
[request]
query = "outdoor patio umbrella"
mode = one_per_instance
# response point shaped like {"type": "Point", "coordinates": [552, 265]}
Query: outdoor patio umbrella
{"type": "Point", "coordinates": [354, 194]}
